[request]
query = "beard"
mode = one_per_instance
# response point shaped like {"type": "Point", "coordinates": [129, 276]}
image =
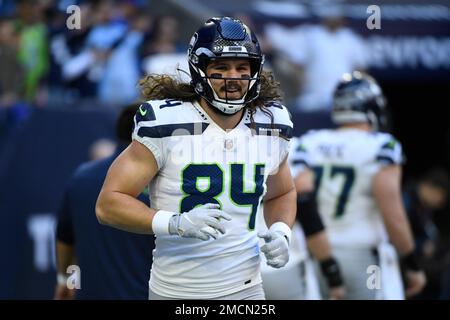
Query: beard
{"type": "Point", "coordinates": [233, 88]}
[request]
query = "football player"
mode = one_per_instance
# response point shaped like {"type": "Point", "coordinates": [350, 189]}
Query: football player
{"type": "Point", "coordinates": [357, 186]}
{"type": "Point", "coordinates": [212, 151]}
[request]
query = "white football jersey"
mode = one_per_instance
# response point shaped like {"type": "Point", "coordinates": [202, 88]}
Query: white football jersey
{"type": "Point", "coordinates": [344, 162]}
{"type": "Point", "coordinates": [201, 163]}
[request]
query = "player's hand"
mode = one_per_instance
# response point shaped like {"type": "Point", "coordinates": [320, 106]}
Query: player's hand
{"type": "Point", "coordinates": [415, 282]}
{"type": "Point", "coordinates": [276, 248]}
{"type": "Point", "coordinates": [64, 293]}
{"type": "Point", "coordinates": [337, 293]}
{"type": "Point", "coordinates": [202, 222]}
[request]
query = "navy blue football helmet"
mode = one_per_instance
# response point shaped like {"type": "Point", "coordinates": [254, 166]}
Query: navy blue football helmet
{"type": "Point", "coordinates": [221, 38]}
{"type": "Point", "coordinates": [358, 98]}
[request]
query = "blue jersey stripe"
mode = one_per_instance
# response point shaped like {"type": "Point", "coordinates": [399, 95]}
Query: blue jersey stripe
{"type": "Point", "coordinates": [178, 129]}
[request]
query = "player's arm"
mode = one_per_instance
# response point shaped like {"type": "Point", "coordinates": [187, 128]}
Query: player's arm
{"type": "Point", "coordinates": [280, 199]}
{"type": "Point", "coordinates": [387, 193]}
{"type": "Point", "coordinates": [315, 234]}
{"type": "Point", "coordinates": [128, 175]}
{"type": "Point", "coordinates": [65, 251]}
{"type": "Point", "coordinates": [117, 205]}
{"type": "Point", "coordinates": [65, 256]}
{"type": "Point", "coordinates": [279, 214]}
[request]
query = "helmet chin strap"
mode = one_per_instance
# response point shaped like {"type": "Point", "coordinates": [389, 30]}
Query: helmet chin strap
{"type": "Point", "coordinates": [218, 110]}
{"type": "Point", "coordinates": [222, 105]}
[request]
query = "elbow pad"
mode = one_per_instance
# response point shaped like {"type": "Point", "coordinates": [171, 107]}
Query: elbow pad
{"type": "Point", "coordinates": [308, 213]}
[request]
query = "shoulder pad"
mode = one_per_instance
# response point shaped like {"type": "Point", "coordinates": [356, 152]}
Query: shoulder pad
{"type": "Point", "coordinates": [282, 122]}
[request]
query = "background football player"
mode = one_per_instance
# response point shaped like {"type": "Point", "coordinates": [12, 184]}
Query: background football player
{"type": "Point", "coordinates": [357, 174]}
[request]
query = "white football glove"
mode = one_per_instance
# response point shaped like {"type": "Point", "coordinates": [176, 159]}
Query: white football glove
{"type": "Point", "coordinates": [276, 248]}
{"type": "Point", "coordinates": [202, 222]}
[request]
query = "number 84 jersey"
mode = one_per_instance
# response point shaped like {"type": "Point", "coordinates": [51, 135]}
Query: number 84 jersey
{"type": "Point", "coordinates": [345, 162]}
{"type": "Point", "coordinates": [201, 163]}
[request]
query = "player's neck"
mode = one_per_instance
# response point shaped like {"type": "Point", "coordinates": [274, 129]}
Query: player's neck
{"type": "Point", "coordinates": [359, 126]}
{"type": "Point", "coordinates": [223, 121]}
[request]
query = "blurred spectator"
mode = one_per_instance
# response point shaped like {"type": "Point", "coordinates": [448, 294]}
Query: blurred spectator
{"type": "Point", "coordinates": [11, 77]}
{"type": "Point", "coordinates": [101, 149]}
{"type": "Point", "coordinates": [321, 54]}
{"type": "Point", "coordinates": [172, 64]}
{"type": "Point", "coordinates": [426, 202]}
{"type": "Point", "coordinates": [118, 85]}
{"type": "Point", "coordinates": [114, 264]}
{"type": "Point", "coordinates": [33, 46]}
{"type": "Point", "coordinates": [163, 54]}
{"type": "Point", "coordinates": [6, 8]}
{"type": "Point", "coordinates": [265, 44]}
{"type": "Point", "coordinates": [165, 37]}
{"type": "Point", "coordinates": [13, 110]}
{"type": "Point", "coordinates": [90, 61]}
{"type": "Point", "coordinates": [128, 9]}
{"type": "Point", "coordinates": [70, 61]}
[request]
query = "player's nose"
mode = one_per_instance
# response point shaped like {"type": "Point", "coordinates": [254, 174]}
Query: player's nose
{"type": "Point", "coordinates": [233, 73]}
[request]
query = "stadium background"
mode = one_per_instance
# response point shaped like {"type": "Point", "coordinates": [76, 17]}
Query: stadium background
{"type": "Point", "coordinates": [44, 138]}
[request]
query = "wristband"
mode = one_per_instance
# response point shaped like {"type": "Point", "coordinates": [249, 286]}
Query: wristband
{"type": "Point", "coordinates": [160, 222]}
{"type": "Point", "coordinates": [283, 228]}
{"type": "Point", "coordinates": [330, 270]}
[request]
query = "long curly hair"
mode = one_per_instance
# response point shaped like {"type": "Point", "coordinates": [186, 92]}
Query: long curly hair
{"type": "Point", "coordinates": [159, 87]}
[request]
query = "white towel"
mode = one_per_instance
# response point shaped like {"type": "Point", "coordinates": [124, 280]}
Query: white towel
{"type": "Point", "coordinates": [312, 290]}
{"type": "Point", "coordinates": [391, 281]}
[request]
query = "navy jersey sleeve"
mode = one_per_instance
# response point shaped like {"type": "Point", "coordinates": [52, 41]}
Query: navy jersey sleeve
{"type": "Point", "coordinates": [284, 126]}
{"type": "Point", "coordinates": [148, 131]}
{"type": "Point", "coordinates": [390, 153]}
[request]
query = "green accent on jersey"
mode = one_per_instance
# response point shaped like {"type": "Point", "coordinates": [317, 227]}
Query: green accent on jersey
{"type": "Point", "coordinates": [253, 191]}
{"type": "Point", "coordinates": [389, 145]}
{"type": "Point", "coordinates": [301, 147]}
{"type": "Point", "coordinates": [194, 196]}
{"type": "Point", "coordinates": [142, 111]}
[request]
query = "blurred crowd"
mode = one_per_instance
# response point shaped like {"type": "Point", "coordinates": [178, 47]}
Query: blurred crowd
{"type": "Point", "coordinates": [52, 54]}
{"type": "Point", "coordinates": [56, 55]}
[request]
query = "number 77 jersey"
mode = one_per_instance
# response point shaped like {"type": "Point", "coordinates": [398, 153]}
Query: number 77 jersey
{"type": "Point", "coordinates": [201, 163]}
{"type": "Point", "coordinates": [344, 162]}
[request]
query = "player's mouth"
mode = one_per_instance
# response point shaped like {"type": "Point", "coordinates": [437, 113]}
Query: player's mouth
{"type": "Point", "coordinates": [232, 91]}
